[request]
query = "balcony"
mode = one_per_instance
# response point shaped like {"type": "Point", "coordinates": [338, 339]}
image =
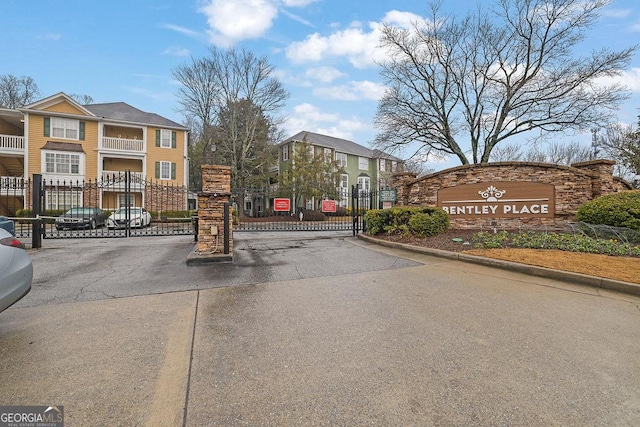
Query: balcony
{"type": "Point", "coordinates": [11, 144]}
{"type": "Point", "coordinates": [123, 145]}
{"type": "Point", "coordinates": [115, 181]}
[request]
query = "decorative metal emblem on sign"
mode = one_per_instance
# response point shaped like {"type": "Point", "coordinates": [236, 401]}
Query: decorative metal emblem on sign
{"type": "Point", "coordinates": [491, 194]}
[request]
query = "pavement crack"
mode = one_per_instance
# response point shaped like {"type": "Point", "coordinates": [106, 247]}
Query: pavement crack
{"type": "Point", "coordinates": [193, 340]}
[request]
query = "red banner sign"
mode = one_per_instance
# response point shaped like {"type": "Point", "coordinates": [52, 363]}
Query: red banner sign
{"type": "Point", "coordinates": [328, 206]}
{"type": "Point", "coordinates": [281, 205]}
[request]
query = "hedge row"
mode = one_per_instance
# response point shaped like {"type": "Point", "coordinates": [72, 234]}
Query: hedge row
{"type": "Point", "coordinates": [420, 222]}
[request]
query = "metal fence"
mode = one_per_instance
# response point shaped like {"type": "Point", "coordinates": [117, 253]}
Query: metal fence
{"type": "Point", "coordinates": [117, 205]}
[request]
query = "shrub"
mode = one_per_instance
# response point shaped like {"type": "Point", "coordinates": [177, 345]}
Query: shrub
{"type": "Point", "coordinates": [421, 222]}
{"type": "Point", "coordinates": [427, 225]}
{"type": "Point", "coordinates": [617, 210]}
{"type": "Point", "coordinates": [311, 215]}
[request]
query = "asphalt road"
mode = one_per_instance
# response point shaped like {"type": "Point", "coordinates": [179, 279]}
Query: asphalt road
{"type": "Point", "coordinates": [313, 329]}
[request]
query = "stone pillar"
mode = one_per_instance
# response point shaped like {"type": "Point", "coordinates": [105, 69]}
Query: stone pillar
{"type": "Point", "coordinates": [216, 191]}
{"type": "Point", "coordinates": [603, 182]}
{"type": "Point", "coordinates": [401, 182]}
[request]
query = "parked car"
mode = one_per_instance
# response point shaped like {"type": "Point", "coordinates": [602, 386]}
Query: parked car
{"type": "Point", "coordinates": [138, 218]}
{"type": "Point", "coordinates": [16, 270]}
{"type": "Point", "coordinates": [81, 218]}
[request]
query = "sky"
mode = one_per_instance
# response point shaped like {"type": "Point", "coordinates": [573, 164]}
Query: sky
{"type": "Point", "coordinates": [323, 51]}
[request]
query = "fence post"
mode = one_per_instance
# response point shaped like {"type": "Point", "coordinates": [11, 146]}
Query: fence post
{"type": "Point", "coordinates": [226, 228]}
{"type": "Point", "coordinates": [36, 227]}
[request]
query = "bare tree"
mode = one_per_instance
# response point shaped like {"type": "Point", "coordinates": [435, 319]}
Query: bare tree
{"type": "Point", "coordinates": [621, 143]}
{"type": "Point", "coordinates": [555, 152]}
{"type": "Point", "coordinates": [16, 92]}
{"type": "Point", "coordinates": [82, 99]}
{"type": "Point", "coordinates": [480, 80]}
{"type": "Point", "coordinates": [235, 98]}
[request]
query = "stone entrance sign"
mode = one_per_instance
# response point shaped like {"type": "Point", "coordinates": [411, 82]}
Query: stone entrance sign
{"type": "Point", "coordinates": [498, 200]}
{"type": "Point", "coordinates": [511, 194]}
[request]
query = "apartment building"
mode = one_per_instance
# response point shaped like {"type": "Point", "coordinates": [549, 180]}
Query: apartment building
{"type": "Point", "coordinates": [370, 169]}
{"type": "Point", "coordinates": [71, 144]}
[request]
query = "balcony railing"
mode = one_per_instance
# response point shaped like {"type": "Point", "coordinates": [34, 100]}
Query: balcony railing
{"type": "Point", "coordinates": [114, 180]}
{"type": "Point", "coordinates": [123, 144]}
{"type": "Point", "coordinates": [12, 143]}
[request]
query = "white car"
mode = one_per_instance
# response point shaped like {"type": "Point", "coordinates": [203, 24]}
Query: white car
{"type": "Point", "coordinates": [16, 270]}
{"type": "Point", "coordinates": [138, 218]}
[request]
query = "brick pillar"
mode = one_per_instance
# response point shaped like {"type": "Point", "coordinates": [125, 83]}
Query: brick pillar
{"type": "Point", "coordinates": [216, 191]}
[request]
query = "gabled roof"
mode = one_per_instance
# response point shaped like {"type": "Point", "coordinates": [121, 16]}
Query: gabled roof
{"type": "Point", "coordinates": [339, 144]}
{"type": "Point", "coordinates": [123, 112]}
{"type": "Point", "coordinates": [56, 99]}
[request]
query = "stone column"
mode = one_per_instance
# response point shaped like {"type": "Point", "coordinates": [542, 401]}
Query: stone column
{"type": "Point", "coordinates": [603, 183]}
{"type": "Point", "coordinates": [216, 191]}
{"type": "Point", "coordinates": [401, 182]}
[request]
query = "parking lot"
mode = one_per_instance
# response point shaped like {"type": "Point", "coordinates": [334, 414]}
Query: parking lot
{"type": "Point", "coordinates": [312, 329]}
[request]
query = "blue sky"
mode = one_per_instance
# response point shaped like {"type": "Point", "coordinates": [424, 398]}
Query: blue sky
{"type": "Point", "coordinates": [323, 51]}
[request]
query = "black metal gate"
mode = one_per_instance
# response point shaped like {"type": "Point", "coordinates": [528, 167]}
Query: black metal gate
{"type": "Point", "coordinates": [261, 210]}
{"type": "Point", "coordinates": [361, 202]}
{"type": "Point", "coordinates": [118, 205]}
{"type": "Point", "coordinates": [264, 210]}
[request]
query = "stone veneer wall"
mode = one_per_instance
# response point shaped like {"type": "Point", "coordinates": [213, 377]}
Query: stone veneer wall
{"type": "Point", "coordinates": [216, 191]}
{"type": "Point", "coordinates": [574, 186]}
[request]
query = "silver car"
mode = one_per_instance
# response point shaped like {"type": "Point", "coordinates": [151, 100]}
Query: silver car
{"type": "Point", "coordinates": [16, 270]}
{"type": "Point", "coordinates": [138, 218]}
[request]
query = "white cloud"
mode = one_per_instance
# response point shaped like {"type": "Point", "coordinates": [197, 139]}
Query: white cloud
{"type": "Point", "coordinates": [324, 74]}
{"type": "Point", "coordinates": [298, 3]}
{"type": "Point", "coordinates": [176, 51]}
{"type": "Point", "coordinates": [230, 22]}
{"type": "Point", "coordinates": [311, 112]}
{"type": "Point", "coordinates": [182, 30]}
{"type": "Point", "coordinates": [233, 21]}
{"type": "Point", "coordinates": [629, 78]}
{"type": "Point", "coordinates": [616, 13]}
{"type": "Point", "coordinates": [296, 18]}
{"type": "Point", "coordinates": [50, 36]}
{"type": "Point", "coordinates": [353, 91]}
{"type": "Point", "coordinates": [310, 118]}
{"type": "Point", "coordinates": [356, 43]}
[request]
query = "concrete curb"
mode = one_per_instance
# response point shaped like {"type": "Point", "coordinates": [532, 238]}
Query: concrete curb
{"type": "Point", "coordinates": [532, 270]}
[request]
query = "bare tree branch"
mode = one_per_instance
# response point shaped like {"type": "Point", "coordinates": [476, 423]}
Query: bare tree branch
{"type": "Point", "coordinates": [16, 92]}
{"type": "Point", "coordinates": [480, 80]}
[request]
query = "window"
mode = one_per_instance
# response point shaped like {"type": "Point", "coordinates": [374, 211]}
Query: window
{"type": "Point", "coordinates": [327, 155]}
{"type": "Point", "coordinates": [394, 166]}
{"type": "Point", "coordinates": [165, 138]}
{"type": "Point", "coordinates": [285, 153]}
{"type": "Point", "coordinates": [364, 184]}
{"type": "Point", "coordinates": [63, 198]}
{"type": "Point", "coordinates": [62, 163]}
{"type": "Point", "coordinates": [341, 158]}
{"type": "Point", "coordinates": [363, 163]}
{"type": "Point", "coordinates": [165, 170]}
{"type": "Point", "coordinates": [343, 190]}
{"type": "Point", "coordinates": [122, 200]}
{"type": "Point", "coordinates": [65, 128]}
